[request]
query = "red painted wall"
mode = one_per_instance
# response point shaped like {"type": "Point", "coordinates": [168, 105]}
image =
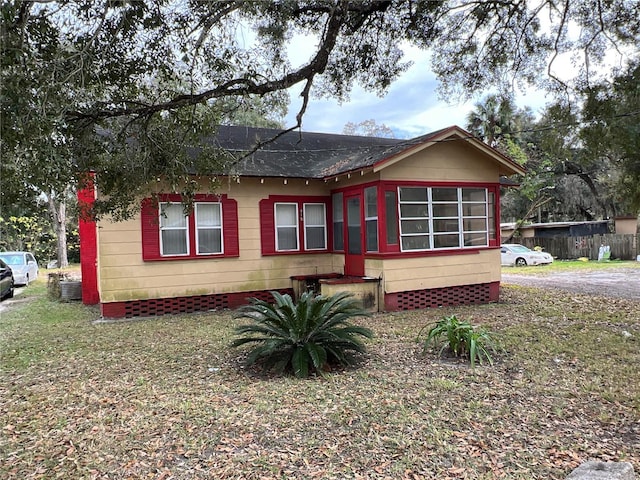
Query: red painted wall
{"type": "Point", "coordinates": [88, 244]}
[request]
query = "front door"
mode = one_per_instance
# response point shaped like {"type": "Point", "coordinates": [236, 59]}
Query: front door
{"type": "Point", "coordinates": [354, 248]}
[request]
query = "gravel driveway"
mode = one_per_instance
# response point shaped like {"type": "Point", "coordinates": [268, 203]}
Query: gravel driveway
{"type": "Point", "coordinates": [614, 282]}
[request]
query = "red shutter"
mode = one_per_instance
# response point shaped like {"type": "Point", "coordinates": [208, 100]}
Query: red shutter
{"type": "Point", "coordinates": [150, 230]}
{"type": "Point", "coordinates": [230, 227]}
{"type": "Point", "coordinates": [267, 227]}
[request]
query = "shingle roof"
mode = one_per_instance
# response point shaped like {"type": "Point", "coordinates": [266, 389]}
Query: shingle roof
{"type": "Point", "coordinates": [307, 154]}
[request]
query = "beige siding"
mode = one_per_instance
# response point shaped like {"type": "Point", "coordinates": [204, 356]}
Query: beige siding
{"type": "Point", "coordinates": [626, 225]}
{"type": "Point", "coordinates": [125, 276]}
{"type": "Point", "coordinates": [441, 271]}
{"type": "Point", "coordinates": [445, 162]}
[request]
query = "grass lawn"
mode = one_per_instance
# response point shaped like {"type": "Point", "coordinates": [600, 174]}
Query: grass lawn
{"type": "Point", "coordinates": [576, 266]}
{"type": "Point", "coordinates": [166, 398]}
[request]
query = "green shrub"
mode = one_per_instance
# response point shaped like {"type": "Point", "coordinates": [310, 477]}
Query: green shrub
{"type": "Point", "coordinates": [461, 339]}
{"type": "Point", "coordinates": [308, 336]}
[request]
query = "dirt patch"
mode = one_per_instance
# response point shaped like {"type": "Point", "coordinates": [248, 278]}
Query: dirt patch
{"type": "Point", "coordinates": [618, 283]}
{"type": "Point", "coordinates": [5, 304]}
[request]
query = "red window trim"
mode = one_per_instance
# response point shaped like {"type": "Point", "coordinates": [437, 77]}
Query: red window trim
{"type": "Point", "coordinates": [431, 253]}
{"type": "Point", "coordinates": [491, 188]}
{"type": "Point", "coordinates": [151, 228]}
{"type": "Point", "coordinates": [268, 228]}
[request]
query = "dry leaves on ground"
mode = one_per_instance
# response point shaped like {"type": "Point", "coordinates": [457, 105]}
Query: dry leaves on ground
{"type": "Point", "coordinates": [167, 399]}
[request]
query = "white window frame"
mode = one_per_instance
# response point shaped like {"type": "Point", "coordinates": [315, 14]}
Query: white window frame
{"type": "Point", "coordinates": [434, 219]}
{"type": "Point", "coordinates": [485, 217]}
{"type": "Point", "coordinates": [216, 227]}
{"type": "Point", "coordinates": [310, 225]}
{"type": "Point", "coordinates": [276, 226]}
{"type": "Point", "coordinates": [428, 233]}
{"type": "Point", "coordinates": [163, 228]}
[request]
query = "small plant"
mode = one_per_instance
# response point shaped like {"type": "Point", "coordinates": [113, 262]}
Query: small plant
{"type": "Point", "coordinates": [461, 339]}
{"type": "Point", "coordinates": [308, 336]}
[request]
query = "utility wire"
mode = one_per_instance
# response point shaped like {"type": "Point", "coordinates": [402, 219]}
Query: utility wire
{"type": "Point", "coordinates": [409, 142]}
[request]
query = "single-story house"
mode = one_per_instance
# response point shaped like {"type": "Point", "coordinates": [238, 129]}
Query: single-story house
{"type": "Point", "coordinates": [404, 224]}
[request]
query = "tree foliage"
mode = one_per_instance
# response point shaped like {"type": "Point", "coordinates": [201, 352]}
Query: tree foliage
{"type": "Point", "coordinates": [368, 128]}
{"type": "Point", "coordinates": [127, 88]}
{"type": "Point", "coordinates": [611, 134]}
{"type": "Point", "coordinates": [32, 231]}
{"type": "Point", "coordinates": [493, 119]}
{"type": "Point", "coordinates": [582, 160]}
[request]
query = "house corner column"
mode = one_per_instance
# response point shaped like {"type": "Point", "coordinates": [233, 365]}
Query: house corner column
{"type": "Point", "coordinates": [88, 242]}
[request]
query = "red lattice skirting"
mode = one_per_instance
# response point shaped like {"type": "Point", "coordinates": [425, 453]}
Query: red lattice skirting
{"type": "Point", "coordinates": [199, 303]}
{"type": "Point", "coordinates": [443, 297]}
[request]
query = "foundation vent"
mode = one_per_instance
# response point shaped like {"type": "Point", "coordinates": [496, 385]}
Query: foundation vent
{"type": "Point", "coordinates": [440, 297]}
{"type": "Point", "coordinates": [176, 305]}
{"type": "Point", "coordinates": [163, 306]}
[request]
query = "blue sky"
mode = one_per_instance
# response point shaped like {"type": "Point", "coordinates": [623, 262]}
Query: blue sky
{"type": "Point", "coordinates": [410, 108]}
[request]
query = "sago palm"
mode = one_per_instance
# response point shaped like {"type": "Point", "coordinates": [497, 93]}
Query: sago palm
{"type": "Point", "coordinates": [303, 337]}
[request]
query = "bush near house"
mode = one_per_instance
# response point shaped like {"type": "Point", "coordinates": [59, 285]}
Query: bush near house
{"type": "Point", "coordinates": [312, 335]}
{"type": "Point", "coordinates": [459, 338]}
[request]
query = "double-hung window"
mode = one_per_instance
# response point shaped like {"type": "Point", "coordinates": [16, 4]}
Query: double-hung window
{"type": "Point", "coordinates": [315, 226]}
{"type": "Point", "coordinates": [208, 220]}
{"type": "Point", "coordinates": [286, 226]}
{"type": "Point", "coordinates": [209, 229]}
{"type": "Point", "coordinates": [294, 224]}
{"type": "Point", "coordinates": [174, 230]}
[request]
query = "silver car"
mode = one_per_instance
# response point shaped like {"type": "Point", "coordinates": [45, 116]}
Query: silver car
{"type": "Point", "coordinates": [24, 266]}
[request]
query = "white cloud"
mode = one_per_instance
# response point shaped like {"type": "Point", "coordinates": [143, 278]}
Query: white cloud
{"type": "Point", "coordinates": [410, 108]}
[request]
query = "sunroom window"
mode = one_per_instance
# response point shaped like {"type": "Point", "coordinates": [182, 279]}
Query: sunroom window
{"type": "Point", "coordinates": [476, 219]}
{"type": "Point", "coordinates": [414, 218]}
{"type": "Point", "coordinates": [443, 217]}
{"type": "Point", "coordinates": [338, 222]}
{"type": "Point", "coordinates": [371, 218]}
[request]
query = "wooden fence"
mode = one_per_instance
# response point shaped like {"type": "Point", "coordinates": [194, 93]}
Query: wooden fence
{"type": "Point", "coordinates": [623, 247]}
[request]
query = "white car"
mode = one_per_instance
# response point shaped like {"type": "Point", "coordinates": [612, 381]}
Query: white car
{"type": "Point", "coordinates": [521, 256]}
{"type": "Point", "coordinates": [24, 266]}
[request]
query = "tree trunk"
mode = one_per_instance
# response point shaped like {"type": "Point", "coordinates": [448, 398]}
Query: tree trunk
{"type": "Point", "coordinates": [537, 204]}
{"type": "Point", "coordinates": [58, 211]}
{"type": "Point", "coordinates": [571, 168]}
